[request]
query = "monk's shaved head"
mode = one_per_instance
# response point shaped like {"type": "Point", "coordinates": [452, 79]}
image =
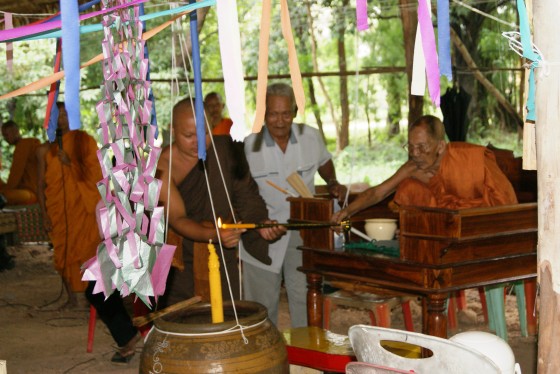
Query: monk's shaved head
{"type": "Point", "coordinates": [433, 126]}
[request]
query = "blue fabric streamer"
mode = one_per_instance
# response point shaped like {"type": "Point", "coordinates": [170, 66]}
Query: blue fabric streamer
{"type": "Point", "coordinates": [444, 44]}
{"type": "Point", "coordinates": [528, 53]}
{"type": "Point", "coordinates": [86, 29]}
{"type": "Point", "coordinates": [71, 60]}
{"type": "Point", "coordinates": [53, 119]}
{"type": "Point", "coordinates": [151, 97]}
{"type": "Point", "coordinates": [198, 104]}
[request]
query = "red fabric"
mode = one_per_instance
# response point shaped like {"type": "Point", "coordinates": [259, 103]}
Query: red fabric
{"type": "Point", "coordinates": [223, 127]}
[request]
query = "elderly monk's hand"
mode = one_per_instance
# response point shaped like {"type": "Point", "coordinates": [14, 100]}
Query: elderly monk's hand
{"type": "Point", "coordinates": [230, 237]}
{"type": "Point", "coordinates": [338, 217]}
{"type": "Point", "coordinates": [272, 233]}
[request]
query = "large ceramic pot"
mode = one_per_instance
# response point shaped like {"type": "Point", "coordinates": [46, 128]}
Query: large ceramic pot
{"type": "Point", "coordinates": [188, 342]}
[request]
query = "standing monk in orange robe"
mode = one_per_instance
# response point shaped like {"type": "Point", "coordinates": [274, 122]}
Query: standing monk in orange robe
{"type": "Point", "coordinates": [214, 108]}
{"type": "Point", "coordinates": [437, 174]}
{"type": "Point", "coordinates": [21, 187]}
{"type": "Point", "coordinates": [68, 196]}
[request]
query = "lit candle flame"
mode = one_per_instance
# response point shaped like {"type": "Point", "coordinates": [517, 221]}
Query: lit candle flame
{"type": "Point", "coordinates": [219, 223]}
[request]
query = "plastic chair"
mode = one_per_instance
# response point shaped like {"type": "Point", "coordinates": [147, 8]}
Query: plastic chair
{"type": "Point", "coordinates": [446, 356]}
{"type": "Point", "coordinates": [379, 307]}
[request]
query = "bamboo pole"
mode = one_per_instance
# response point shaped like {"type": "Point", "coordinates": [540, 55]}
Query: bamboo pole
{"type": "Point", "coordinates": [546, 28]}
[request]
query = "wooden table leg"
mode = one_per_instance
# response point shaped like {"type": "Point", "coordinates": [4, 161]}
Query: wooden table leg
{"type": "Point", "coordinates": [436, 319]}
{"type": "Point", "coordinates": [315, 300]}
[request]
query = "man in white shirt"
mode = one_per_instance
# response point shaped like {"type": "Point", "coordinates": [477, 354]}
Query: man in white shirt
{"type": "Point", "coordinates": [280, 149]}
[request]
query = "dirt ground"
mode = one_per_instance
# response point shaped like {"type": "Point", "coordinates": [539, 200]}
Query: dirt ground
{"type": "Point", "coordinates": [37, 337]}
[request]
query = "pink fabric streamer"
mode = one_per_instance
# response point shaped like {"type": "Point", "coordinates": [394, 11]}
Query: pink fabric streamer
{"type": "Point", "coordinates": [38, 28]}
{"type": "Point", "coordinates": [361, 15]}
{"type": "Point", "coordinates": [430, 52]}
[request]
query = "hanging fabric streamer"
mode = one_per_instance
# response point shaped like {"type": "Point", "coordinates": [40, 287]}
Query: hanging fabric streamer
{"type": "Point", "coordinates": [51, 116]}
{"type": "Point", "coordinates": [444, 42]}
{"type": "Point", "coordinates": [199, 104]}
{"type": "Point", "coordinates": [361, 15]}
{"type": "Point", "coordinates": [71, 60]}
{"type": "Point", "coordinates": [429, 47]}
{"type": "Point", "coordinates": [8, 25]}
{"type": "Point", "coordinates": [232, 65]}
{"type": "Point", "coordinates": [295, 74]}
{"type": "Point", "coordinates": [529, 54]}
{"type": "Point", "coordinates": [418, 83]}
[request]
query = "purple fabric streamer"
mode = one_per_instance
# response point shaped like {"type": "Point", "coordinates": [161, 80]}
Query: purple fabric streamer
{"type": "Point", "coordinates": [361, 15]}
{"type": "Point", "coordinates": [199, 104]}
{"type": "Point", "coordinates": [71, 60]}
{"type": "Point", "coordinates": [430, 53]}
{"type": "Point", "coordinates": [444, 42]}
{"type": "Point", "coordinates": [55, 23]}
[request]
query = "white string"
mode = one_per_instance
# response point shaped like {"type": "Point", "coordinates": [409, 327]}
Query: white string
{"type": "Point", "coordinates": [458, 2]}
{"type": "Point", "coordinates": [232, 329]}
{"type": "Point", "coordinates": [183, 44]}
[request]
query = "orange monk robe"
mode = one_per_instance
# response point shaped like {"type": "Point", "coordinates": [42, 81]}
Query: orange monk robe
{"type": "Point", "coordinates": [71, 197]}
{"type": "Point", "coordinates": [223, 127]}
{"type": "Point", "coordinates": [21, 187]}
{"type": "Point", "coordinates": [468, 177]}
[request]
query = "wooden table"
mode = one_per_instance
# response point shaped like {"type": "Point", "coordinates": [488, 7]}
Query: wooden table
{"type": "Point", "coordinates": [441, 251]}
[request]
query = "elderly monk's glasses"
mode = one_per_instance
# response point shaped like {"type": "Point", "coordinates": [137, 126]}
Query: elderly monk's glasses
{"type": "Point", "coordinates": [422, 148]}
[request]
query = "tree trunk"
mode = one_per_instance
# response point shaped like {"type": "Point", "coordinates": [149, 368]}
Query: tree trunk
{"type": "Point", "coordinates": [409, 20]}
{"type": "Point", "coordinates": [482, 79]}
{"type": "Point", "coordinates": [342, 139]}
{"type": "Point", "coordinates": [316, 64]}
{"type": "Point", "coordinates": [547, 13]}
{"type": "Point", "coordinates": [315, 108]}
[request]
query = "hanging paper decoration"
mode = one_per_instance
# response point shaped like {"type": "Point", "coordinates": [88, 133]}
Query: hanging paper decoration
{"type": "Point", "coordinates": [295, 74]}
{"type": "Point", "coordinates": [444, 43]}
{"type": "Point", "coordinates": [132, 256]}
{"type": "Point", "coordinates": [232, 66]}
{"type": "Point", "coordinates": [361, 15]}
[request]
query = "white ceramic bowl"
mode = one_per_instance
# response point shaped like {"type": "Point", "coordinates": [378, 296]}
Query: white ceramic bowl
{"type": "Point", "coordinates": [381, 228]}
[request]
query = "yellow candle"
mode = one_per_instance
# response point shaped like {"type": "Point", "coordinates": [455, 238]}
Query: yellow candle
{"type": "Point", "coordinates": [215, 285]}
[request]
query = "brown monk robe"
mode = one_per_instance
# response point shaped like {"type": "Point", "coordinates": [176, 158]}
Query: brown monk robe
{"type": "Point", "coordinates": [468, 177]}
{"type": "Point", "coordinates": [21, 187]}
{"type": "Point", "coordinates": [68, 180]}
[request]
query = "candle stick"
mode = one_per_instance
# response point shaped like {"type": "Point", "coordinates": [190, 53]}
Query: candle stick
{"type": "Point", "coordinates": [345, 225]}
{"type": "Point", "coordinates": [215, 285]}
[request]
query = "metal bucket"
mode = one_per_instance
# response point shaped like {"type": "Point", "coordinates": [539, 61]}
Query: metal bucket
{"type": "Point", "coordinates": [188, 342]}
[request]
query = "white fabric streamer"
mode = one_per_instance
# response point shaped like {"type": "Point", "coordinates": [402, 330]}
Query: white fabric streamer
{"type": "Point", "coordinates": [232, 66]}
{"type": "Point", "coordinates": [418, 84]}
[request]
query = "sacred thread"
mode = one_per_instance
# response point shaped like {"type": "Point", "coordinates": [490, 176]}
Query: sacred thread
{"type": "Point", "coordinates": [215, 285]}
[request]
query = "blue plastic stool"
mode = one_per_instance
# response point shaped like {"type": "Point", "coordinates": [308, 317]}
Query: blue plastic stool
{"type": "Point", "coordinates": [496, 309]}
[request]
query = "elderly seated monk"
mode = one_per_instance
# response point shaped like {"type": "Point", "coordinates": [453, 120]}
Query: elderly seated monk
{"type": "Point", "coordinates": [439, 174]}
{"type": "Point", "coordinates": [21, 187]}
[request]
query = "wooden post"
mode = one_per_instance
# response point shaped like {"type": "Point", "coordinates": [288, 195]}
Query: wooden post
{"type": "Point", "coordinates": [546, 28]}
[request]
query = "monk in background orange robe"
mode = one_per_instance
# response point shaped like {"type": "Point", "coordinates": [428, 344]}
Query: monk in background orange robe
{"type": "Point", "coordinates": [67, 179]}
{"type": "Point", "coordinates": [214, 107]}
{"type": "Point", "coordinates": [21, 187]}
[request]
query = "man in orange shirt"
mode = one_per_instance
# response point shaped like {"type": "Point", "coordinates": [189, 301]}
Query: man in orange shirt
{"type": "Point", "coordinates": [21, 187]}
{"type": "Point", "coordinates": [214, 107]}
